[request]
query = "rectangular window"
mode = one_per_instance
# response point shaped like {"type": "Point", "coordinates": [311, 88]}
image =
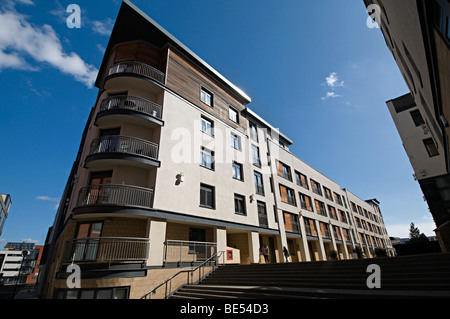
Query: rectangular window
{"type": "Point", "coordinates": [207, 126]}
{"type": "Point", "coordinates": [206, 97]}
{"type": "Point", "coordinates": [342, 216]}
{"type": "Point", "coordinates": [235, 141]}
{"type": "Point", "coordinates": [239, 205]}
{"type": "Point", "coordinates": [301, 180]}
{"type": "Point", "coordinates": [315, 187]}
{"type": "Point", "coordinates": [327, 192]}
{"type": "Point", "coordinates": [431, 147]}
{"type": "Point", "coordinates": [324, 230]}
{"type": "Point", "coordinates": [284, 171]}
{"type": "Point", "coordinates": [320, 208]}
{"type": "Point", "coordinates": [337, 198]}
{"type": "Point", "coordinates": [417, 118]}
{"type": "Point", "coordinates": [310, 227]}
{"type": "Point", "coordinates": [262, 214]}
{"type": "Point", "coordinates": [207, 158]}
{"type": "Point", "coordinates": [332, 212]}
{"type": "Point", "coordinates": [253, 131]}
{"type": "Point", "coordinates": [255, 156]}
{"type": "Point", "coordinates": [291, 222]}
{"type": "Point", "coordinates": [287, 195]}
{"type": "Point", "coordinates": [233, 115]}
{"type": "Point", "coordinates": [207, 196]}
{"type": "Point", "coordinates": [259, 183]}
{"type": "Point", "coordinates": [305, 202]}
{"type": "Point", "coordinates": [237, 171]}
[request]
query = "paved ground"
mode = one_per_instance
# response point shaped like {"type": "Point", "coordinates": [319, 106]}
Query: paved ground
{"type": "Point", "coordinates": [22, 292]}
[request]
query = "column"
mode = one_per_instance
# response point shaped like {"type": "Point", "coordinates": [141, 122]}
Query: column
{"type": "Point", "coordinates": [253, 243]}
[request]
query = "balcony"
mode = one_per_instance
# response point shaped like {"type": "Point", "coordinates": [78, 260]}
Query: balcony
{"type": "Point", "coordinates": [134, 74]}
{"type": "Point", "coordinates": [113, 108]}
{"type": "Point", "coordinates": [109, 198]}
{"type": "Point", "coordinates": [106, 250]}
{"type": "Point", "coordinates": [122, 148]}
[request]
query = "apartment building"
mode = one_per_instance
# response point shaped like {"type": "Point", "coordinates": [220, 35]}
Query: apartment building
{"type": "Point", "coordinates": [17, 266]}
{"type": "Point", "coordinates": [417, 32]}
{"type": "Point", "coordinates": [174, 168]}
{"type": "Point", "coordinates": [5, 205]}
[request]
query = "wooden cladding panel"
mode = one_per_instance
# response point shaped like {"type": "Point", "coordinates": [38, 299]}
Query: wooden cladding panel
{"type": "Point", "coordinates": [187, 80]}
{"type": "Point", "coordinates": [140, 52]}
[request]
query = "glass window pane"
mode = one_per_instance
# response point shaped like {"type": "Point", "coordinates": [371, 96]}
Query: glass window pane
{"type": "Point", "coordinates": [72, 294]}
{"type": "Point", "coordinates": [87, 294]}
{"type": "Point", "coordinates": [120, 293]}
{"type": "Point", "coordinates": [104, 294]}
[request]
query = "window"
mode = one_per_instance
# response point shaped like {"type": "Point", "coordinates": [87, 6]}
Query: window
{"type": "Point", "coordinates": [327, 192]}
{"type": "Point", "coordinates": [235, 141]}
{"type": "Point", "coordinates": [237, 171]}
{"type": "Point", "coordinates": [301, 180]}
{"type": "Point", "coordinates": [207, 126]}
{"type": "Point", "coordinates": [93, 293]}
{"type": "Point", "coordinates": [255, 156]}
{"type": "Point", "coordinates": [233, 115]}
{"type": "Point", "coordinates": [284, 171]}
{"type": "Point", "coordinates": [332, 212]}
{"type": "Point", "coordinates": [417, 118]}
{"type": "Point", "coordinates": [324, 230]}
{"type": "Point", "coordinates": [207, 196]}
{"type": "Point", "coordinates": [310, 227]}
{"type": "Point", "coordinates": [320, 208]}
{"type": "Point", "coordinates": [305, 202]}
{"type": "Point", "coordinates": [207, 158]}
{"type": "Point", "coordinates": [253, 132]}
{"type": "Point", "coordinates": [291, 222]}
{"type": "Point", "coordinates": [287, 195]}
{"type": "Point", "coordinates": [239, 205]}
{"type": "Point", "coordinates": [342, 216]}
{"type": "Point", "coordinates": [262, 214]}
{"type": "Point", "coordinates": [431, 147]}
{"type": "Point", "coordinates": [259, 183]}
{"type": "Point", "coordinates": [206, 97]}
{"type": "Point", "coordinates": [337, 198]}
{"type": "Point", "coordinates": [316, 187]}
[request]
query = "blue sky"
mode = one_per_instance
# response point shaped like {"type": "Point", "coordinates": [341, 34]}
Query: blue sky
{"type": "Point", "coordinates": [312, 68]}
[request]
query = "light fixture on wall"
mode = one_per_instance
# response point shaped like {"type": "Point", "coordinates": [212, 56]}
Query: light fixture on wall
{"type": "Point", "coordinates": [252, 198]}
{"type": "Point", "coordinates": [180, 178]}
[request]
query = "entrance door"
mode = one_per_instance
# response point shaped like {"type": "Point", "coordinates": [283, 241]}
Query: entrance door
{"type": "Point", "coordinates": [99, 190]}
{"type": "Point", "coordinates": [273, 258]}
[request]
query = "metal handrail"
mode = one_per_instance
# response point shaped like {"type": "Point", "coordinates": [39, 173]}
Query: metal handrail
{"type": "Point", "coordinates": [131, 103]}
{"type": "Point", "coordinates": [138, 68]}
{"type": "Point", "coordinates": [189, 270]}
{"type": "Point", "coordinates": [115, 194]}
{"type": "Point", "coordinates": [124, 144]}
{"type": "Point", "coordinates": [106, 249]}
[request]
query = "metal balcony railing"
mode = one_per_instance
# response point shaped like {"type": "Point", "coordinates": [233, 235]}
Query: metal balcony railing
{"type": "Point", "coordinates": [179, 251]}
{"type": "Point", "coordinates": [124, 144]}
{"type": "Point", "coordinates": [106, 249]}
{"type": "Point", "coordinates": [110, 194]}
{"type": "Point", "coordinates": [138, 68]}
{"type": "Point", "coordinates": [125, 102]}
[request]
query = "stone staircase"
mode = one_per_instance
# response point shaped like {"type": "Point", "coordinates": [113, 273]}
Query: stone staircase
{"type": "Point", "coordinates": [424, 276]}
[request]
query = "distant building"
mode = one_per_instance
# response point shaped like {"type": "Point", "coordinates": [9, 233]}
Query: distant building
{"type": "Point", "coordinates": [12, 261]}
{"type": "Point", "coordinates": [5, 204]}
{"type": "Point", "coordinates": [417, 32]}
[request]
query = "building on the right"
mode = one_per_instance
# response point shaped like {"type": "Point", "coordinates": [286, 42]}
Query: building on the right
{"type": "Point", "coordinates": [5, 204]}
{"type": "Point", "coordinates": [417, 32]}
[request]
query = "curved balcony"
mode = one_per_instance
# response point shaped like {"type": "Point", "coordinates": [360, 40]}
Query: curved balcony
{"type": "Point", "coordinates": [106, 249]}
{"type": "Point", "coordinates": [134, 74]}
{"type": "Point", "coordinates": [107, 149]}
{"type": "Point", "coordinates": [140, 108]}
{"type": "Point", "coordinates": [108, 198]}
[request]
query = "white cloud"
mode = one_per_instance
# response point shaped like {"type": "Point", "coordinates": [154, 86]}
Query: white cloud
{"type": "Point", "coordinates": [29, 240]}
{"type": "Point", "coordinates": [19, 40]}
{"type": "Point", "coordinates": [103, 27]}
{"type": "Point", "coordinates": [402, 230]}
{"type": "Point", "coordinates": [333, 80]}
{"type": "Point", "coordinates": [50, 199]}
{"type": "Point", "coordinates": [330, 95]}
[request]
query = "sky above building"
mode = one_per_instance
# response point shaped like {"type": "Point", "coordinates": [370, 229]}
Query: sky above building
{"type": "Point", "coordinates": [315, 69]}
